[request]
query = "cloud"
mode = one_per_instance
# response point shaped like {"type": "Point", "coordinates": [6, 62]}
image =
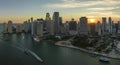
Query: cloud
{"type": "Point", "coordinates": [103, 8]}
{"type": "Point", "coordinates": [108, 13]}
{"type": "Point", "coordinates": [83, 3]}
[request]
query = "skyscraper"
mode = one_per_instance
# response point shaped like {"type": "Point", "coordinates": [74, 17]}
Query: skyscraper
{"type": "Point", "coordinates": [56, 23]}
{"type": "Point", "coordinates": [66, 25]}
{"type": "Point", "coordinates": [40, 28]}
{"type": "Point", "coordinates": [32, 26]}
{"type": "Point", "coordinates": [60, 20]}
{"type": "Point", "coordinates": [29, 25]}
{"type": "Point", "coordinates": [98, 28]}
{"type": "Point", "coordinates": [10, 30]}
{"type": "Point", "coordinates": [18, 29]}
{"type": "Point", "coordinates": [109, 25]}
{"type": "Point", "coordinates": [83, 26]}
{"type": "Point", "coordinates": [26, 26]}
{"type": "Point", "coordinates": [72, 27]}
{"type": "Point", "coordinates": [119, 27]}
{"type": "Point", "coordinates": [5, 28]}
{"type": "Point", "coordinates": [49, 24]}
{"type": "Point", "coordinates": [92, 28]}
{"type": "Point", "coordinates": [104, 25]}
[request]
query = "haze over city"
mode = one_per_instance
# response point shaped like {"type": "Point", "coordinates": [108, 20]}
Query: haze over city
{"type": "Point", "coordinates": [21, 10]}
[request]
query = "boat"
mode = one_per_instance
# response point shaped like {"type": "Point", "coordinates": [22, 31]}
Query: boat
{"type": "Point", "coordinates": [104, 59]}
{"type": "Point", "coordinates": [36, 39]}
{"type": "Point", "coordinates": [26, 52]}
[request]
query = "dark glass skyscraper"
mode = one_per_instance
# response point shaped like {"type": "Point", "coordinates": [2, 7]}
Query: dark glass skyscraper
{"type": "Point", "coordinates": [56, 22]}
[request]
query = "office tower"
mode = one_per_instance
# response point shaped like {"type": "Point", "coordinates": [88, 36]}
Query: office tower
{"type": "Point", "coordinates": [40, 28]}
{"type": "Point", "coordinates": [63, 30]}
{"type": "Point", "coordinates": [29, 26]}
{"type": "Point", "coordinates": [72, 27]}
{"type": "Point", "coordinates": [32, 26]}
{"type": "Point", "coordinates": [5, 28]}
{"type": "Point", "coordinates": [83, 26]}
{"type": "Point", "coordinates": [56, 23]}
{"type": "Point", "coordinates": [49, 26]}
{"type": "Point", "coordinates": [60, 20]}
{"type": "Point", "coordinates": [66, 25]}
{"type": "Point", "coordinates": [10, 27]}
{"type": "Point", "coordinates": [34, 31]}
{"type": "Point", "coordinates": [98, 28]}
{"type": "Point", "coordinates": [25, 24]}
{"type": "Point", "coordinates": [92, 28]}
{"type": "Point", "coordinates": [104, 25]}
{"type": "Point", "coordinates": [109, 25]}
{"type": "Point", "coordinates": [114, 29]}
{"type": "Point", "coordinates": [119, 27]}
{"type": "Point", "coordinates": [18, 29]}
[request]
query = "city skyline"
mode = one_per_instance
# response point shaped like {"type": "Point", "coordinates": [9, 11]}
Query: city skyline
{"type": "Point", "coordinates": [21, 10]}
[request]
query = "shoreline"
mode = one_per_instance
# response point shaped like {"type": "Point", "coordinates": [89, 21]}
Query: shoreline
{"type": "Point", "coordinates": [59, 43]}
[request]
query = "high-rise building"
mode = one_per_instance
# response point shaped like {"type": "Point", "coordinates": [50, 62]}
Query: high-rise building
{"type": "Point", "coordinates": [49, 24]}
{"type": "Point", "coordinates": [114, 29]}
{"type": "Point", "coordinates": [72, 27]}
{"type": "Point", "coordinates": [66, 25]}
{"type": "Point", "coordinates": [32, 26]}
{"type": "Point", "coordinates": [119, 27]}
{"type": "Point", "coordinates": [83, 26]}
{"type": "Point", "coordinates": [29, 25]}
{"type": "Point", "coordinates": [34, 32]}
{"type": "Point", "coordinates": [18, 29]}
{"type": "Point", "coordinates": [98, 28]}
{"type": "Point", "coordinates": [56, 23]}
{"type": "Point", "coordinates": [40, 28]}
{"type": "Point", "coordinates": [5, 28]}
{"type": "Point", "coordinates": [25, 26]}
{"type": "Point", "coordinates": [92, 29]}
{"type": "Point", "coordinates": [104, 25]}
{"type": "Point", "coordinates": [110, 25]}
{"type": "Point", "coordinates": [60, 20]}
{"type": "Point", "coordinates": [10, 25]}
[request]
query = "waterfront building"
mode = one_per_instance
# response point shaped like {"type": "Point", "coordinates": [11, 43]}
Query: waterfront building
{"type": "Point", "coordinates": [34, 31]}
{"type": "Point", "coordinates": [29, 26]}
{"type": "Point", "coordinates": [25, 26]}
{"type": "Point", "coordinates": [10, 25]}
{"type": "Point", "coordinates": [72, 27]}
{"type": "Point", "coordinates": [18, 28]}
{"type": "Point", "coordinates": [56, 23]}
{"type": "Point", "coordinates": [5, 28]}
{"type": "Point", "coordinates": [49, 24]}
{"type": "Point", "coordinates": [32, 26]}
{"type": "Point", "coordinates": [40, 28]}
{"type": "Point", "coordinates": [83, 26]}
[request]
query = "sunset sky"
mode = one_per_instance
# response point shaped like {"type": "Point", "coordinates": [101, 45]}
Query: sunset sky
{"type": "Point", "coordinates": [21, 10]}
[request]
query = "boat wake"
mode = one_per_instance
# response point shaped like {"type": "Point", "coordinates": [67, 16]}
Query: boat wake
{"type": "Point", "coordinates": [29, 52]}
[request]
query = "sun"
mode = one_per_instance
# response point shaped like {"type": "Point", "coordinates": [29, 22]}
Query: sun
{"type": "Point", "coordinates": [92, 20]}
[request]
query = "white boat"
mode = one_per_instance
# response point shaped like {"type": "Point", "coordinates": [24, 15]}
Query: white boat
{"type": "Point", "coordinates": [36, 39]}
{"type": "Point", "coordinates": [104, 59]}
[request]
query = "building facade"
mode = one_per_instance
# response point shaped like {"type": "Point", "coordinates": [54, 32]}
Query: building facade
{"type": "Point", "coordinates": [83, 26]}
